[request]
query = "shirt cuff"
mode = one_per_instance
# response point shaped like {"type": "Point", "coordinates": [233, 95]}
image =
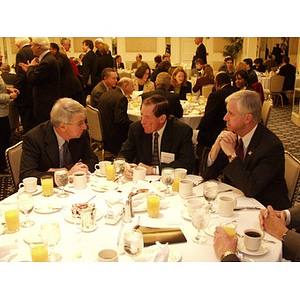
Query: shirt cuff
{"type": "Point", "coordinates": [288, 217]}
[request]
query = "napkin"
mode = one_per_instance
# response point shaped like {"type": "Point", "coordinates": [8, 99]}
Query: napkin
{"type": "Point", "coordinates": [163, 235]}
{"type": "Point", "coordinates": [5, 254]}
{"type": "Point", "coordinates": [163, 254]}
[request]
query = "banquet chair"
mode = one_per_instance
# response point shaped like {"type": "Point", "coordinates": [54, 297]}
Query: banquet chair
{"type": "Point", "coordinates": [88, 100]}
{"type": "Point", "coordinates": [206, 90]}
{"type": "Point", "coordinates": [259, 89]}
{"type": "Point", "coordinates": [292, 171]}
{"type": "Point", "coordinates": [265, 111]}
{"type": "Point", "coordinates": [95, 128]}
{"type": "Point", "coordinates": [13, 161]}
{"type": "Point", "coordinates": [276, 85]}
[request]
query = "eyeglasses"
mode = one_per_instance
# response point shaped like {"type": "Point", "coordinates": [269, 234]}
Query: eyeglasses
{"type": "Point", "coordinates": [79, 124]}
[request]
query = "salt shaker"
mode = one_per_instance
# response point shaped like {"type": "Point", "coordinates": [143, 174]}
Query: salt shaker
{"type": "Point", "coordinates": [127, 214]}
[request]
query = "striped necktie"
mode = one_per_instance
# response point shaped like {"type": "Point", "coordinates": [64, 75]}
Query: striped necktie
{"type": "Point", "coordinates": [66, 159]}
{"type": "Point", "coordinates": [240, 150]}
{"type": "Point", "coordinates": [155, 157]}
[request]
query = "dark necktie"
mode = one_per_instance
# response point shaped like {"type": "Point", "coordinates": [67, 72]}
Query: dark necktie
{"type": "Point", "coordinates": [67, 159]}
{"type": "Point", "coordinates": [155, 157]}
{"type": "Point", "coordinates": [240, 150]}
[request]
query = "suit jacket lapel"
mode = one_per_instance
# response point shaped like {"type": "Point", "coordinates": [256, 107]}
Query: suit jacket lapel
{"type": "Point", "coordinates": [255, 141]}
{"type": "Point", "coordinates": [52, 146]}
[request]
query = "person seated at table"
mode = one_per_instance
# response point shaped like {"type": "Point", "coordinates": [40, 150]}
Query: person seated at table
{"type": "Point", "coordinates": [251, 73]}
{"type": "Point", "coordinates": [241, 80]}
{"type": "Point", "coordinates": [164, 66]}
{"type": "Point", "coordinates": [108, 82]}
{"type": "Point", "coordinates": [142, 81]}
{"type": "Point", "coordinates": [228, 67]}
{"type": "Point", "coordinates": [270, 63]}
{"type": "Point", "coordinates": [259, 66]}
{"type": "Point", "coordinates": [157, 61]}
{"type": "Point", "coordinates": [138, 62]}
{"type": "Point", "coordinates": [44, 148]}
{"type": "Point", "coordinates": [179, 83]}
{"type": "Point", "coordinates": [206, 78]}
{"type": "Point", "coordinates": [240, 66]}
{"type": "Point", "coordinates": [163, 83]}
{"type": "Point", "coordinates": [113, 110]}
{"type": "Point", "coordinates": [256, 166]}
{"type": "Point", "coordinates": [118, 62]}
{"type": "Point", "coordinates": [197, 71]}
{"type": "Point", "coordinates": [212, 123]}
{"type": "Point", "coordinates": [158, 139]}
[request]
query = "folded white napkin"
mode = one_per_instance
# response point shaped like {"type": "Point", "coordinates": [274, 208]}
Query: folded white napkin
{"type": "Point", "coordinates": [163, 254]}
{"type": "Point", "coordinates": [5, 254]}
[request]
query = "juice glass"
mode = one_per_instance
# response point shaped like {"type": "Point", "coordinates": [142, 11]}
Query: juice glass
{"type": "Point", "coordinates": [153, 206]}
{"type": "Point", "coordinates": [47, 185]}
{"type": "Point", "coordinates": [39, 252]}
{"type": "Point", "coordinates": [230, 228]}
{"type": "Point", "coordinates": [175, 185]}
{"type": "Point", "coordinates": [12, 220]}
{"type": "Point", "coordinates": [110, 172]}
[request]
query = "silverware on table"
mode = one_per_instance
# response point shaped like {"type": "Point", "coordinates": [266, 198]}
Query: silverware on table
{"type": "Point", "coordinates": [247, 208]}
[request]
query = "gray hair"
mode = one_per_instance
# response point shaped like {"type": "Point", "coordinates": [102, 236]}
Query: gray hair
{"type": "Point", "coordinates": [247, 102]}
{"type": "Point", "coordinates": [42, 41]}
{"type": "Point", "coordinates": [21, 41]}
{"type": "Point", "coordinates": [163, 79]}
{"type": "Point", "coordinates": [124, 81]}
{"type": "Point", "coordinates": [63, 111]}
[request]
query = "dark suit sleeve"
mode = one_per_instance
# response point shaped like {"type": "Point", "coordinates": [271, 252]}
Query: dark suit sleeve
{"type": "Point", "coordinates": [120, 113]}
{"type": "Point", "coordinates": [39, 74]}
{"type": "Point", "coordinates": [231, 258]}
{"type": "Point", "coordinates": [128, 150]}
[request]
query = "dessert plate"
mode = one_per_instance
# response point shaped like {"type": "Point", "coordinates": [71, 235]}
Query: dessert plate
{"type": "Point", "coordinates": [47, 210]}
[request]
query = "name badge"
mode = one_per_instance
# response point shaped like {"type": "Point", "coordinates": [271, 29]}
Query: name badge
{"type": "Point", "coordinates": [167, 157]}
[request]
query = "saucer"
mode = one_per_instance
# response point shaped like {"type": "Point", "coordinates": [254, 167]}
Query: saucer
{"type": "Point", "coordinates": [47, 210]}
{"type": "Point", "coordinates": [185, 215]}
{"type": "Point", "coordinates": [97, 173]}
{"type": "Point", "coordinates": [37, 191]}
{"type": "Point", "coordinates": [210, 229]}
{"type": "Point", "coordinates": [261, 251]}
{"type": "Point", "coordinates": [90, 230]}
{"type": "Point", "coordinates": [151, 251]}
{"type": "Point", "coordinates": [104, 187]}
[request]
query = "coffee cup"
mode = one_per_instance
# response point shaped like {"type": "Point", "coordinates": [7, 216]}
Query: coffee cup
{"type": "Point", "coordinates": [226, 206]}
{"type": "Point", "coordinates": [139, 173]}
{"type": "Point", "coordinates": [79, 180]}
{"type": "Point", "coordinates": [185, 188]}
{"type": "Point", "coordinates": [193, 205]}
{"type": "Point", "coordinates": [252, 239]}
{"type": "Point", "coordinates": [100, 167]}
{"type": "Point", "coordinates": [107, 255]}
{"type": "Point", "coordinates": [29, 184]}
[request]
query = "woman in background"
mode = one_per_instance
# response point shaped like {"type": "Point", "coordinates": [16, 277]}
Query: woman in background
{"type": "Point", "coordinates": [142, 80]}
{"type": "Point", "coordinates": [179, 83]}
{"type": "Point", "coordinates": [207, 78]}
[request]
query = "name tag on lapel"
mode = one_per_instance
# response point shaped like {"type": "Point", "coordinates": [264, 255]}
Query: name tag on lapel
{"type": "Point", "coordinates": [167, 157]}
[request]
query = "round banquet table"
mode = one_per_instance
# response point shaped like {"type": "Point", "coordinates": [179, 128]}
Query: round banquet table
{"type": "Point", "coordinates": [78, 246]}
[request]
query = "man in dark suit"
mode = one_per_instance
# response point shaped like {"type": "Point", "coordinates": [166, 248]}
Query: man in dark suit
{"type": "Point", "coordinates": [113, 110]}
{"type": "Point", "coordinates": [256, 167]}
{"type": "Point", "coordinates": [251, 73]}
{"type": "Point", "coordinates": [163, 83]}
{"type": "Point", "coordinates": [43, 146]}
{"type": "Point", "coordinates": [174, 139]}
{"type": "Point", "coordinates": [200, 52]}
{"type": "Point", "coordinates": [212, 123]}
{"type": "Point", "coordinates": [43, 75]}
{"type": "Point", "coordinates": [108, 82]}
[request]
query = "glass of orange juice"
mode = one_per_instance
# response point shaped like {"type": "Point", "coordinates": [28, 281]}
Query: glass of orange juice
{"type": "Point", "coordinates": [153, 202]}
{"type": "Point", "coordinates": [12, 220]}
{"type": "Point", "coordinates": [110, 172]}
{"type": "Point", "coordinates": [230, 228]}
{"type": "Point", "coordinates": [39, 251]}
{"type": "Point", "coordinates": [47, 185]}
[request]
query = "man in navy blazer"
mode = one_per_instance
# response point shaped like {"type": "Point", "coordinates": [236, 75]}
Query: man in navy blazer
{"type": "Point", "coordinates": [259, 172]}
{"type": "Point", "coordinates": [42, 146]}
{"type": "Point", "coordinates": [43, 74]}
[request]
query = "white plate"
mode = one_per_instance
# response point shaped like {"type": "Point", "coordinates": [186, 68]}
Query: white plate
{"type": "Point", "coordinates": [70, 219]}
{"type": "Point", "coordinates": [97, 173]}
{"type": "Point", "coordinates": [37, 191]}
{"type": "Point", "coordinates": [47, 210]}
{"type": "Point", "coordinates": [90, 230]}
{"type": "Point", "coordinates": [261, 251]}
{"type": "Point", "coordinates": [104, 187]}
{"type": "Point", "coordinates": [149, 253]}
{"type": "Point", "coordinates": [185, 215]}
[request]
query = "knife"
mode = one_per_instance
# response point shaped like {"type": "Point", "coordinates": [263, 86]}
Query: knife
{"type": "Point", "coordinates": [248, 208]}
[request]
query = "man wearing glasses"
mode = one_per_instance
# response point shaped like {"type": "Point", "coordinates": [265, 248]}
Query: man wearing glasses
{"type": "Point", "coordinates": [62, 142]}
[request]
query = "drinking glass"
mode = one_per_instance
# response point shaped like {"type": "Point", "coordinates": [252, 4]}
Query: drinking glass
{"type": "Point", "coordinates": [200, 219]}
{"type": "Point", "coordinates": [119, 166]}
{"type": "Point", "coordinates": [25, 206]}
{"type": "Point", "coordinates": [61, 180]}
{"type": "Point", "coordinates": [133, 242]}
{"type": "Point", "coordinates": [167, 177]}
{"type": "Point", "coordinates": [210, 192]}
{"type": "Point", "coordinates": [50, 233]}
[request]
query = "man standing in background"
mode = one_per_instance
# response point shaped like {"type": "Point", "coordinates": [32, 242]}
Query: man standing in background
{"type": "Point", "coordinates": [200, 52]}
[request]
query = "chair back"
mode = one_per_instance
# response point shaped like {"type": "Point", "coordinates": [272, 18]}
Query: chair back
{"type": "Point", "coordinates": [257, 86]}
{"type": "Point", "coordinates": [13, 160]}
{"type": "Point", "coordinates": [206, 90]}
{"type": "Point", "coordinates": [265, 111]}
{"type": "Point", "coordinates": [292, 171]}
{"type": "Point", "coordinates": [88, 100]}
{"type": "Point", "coordinates": [276, 83]}
{"type": "Point", "coordinates": [94, 123]}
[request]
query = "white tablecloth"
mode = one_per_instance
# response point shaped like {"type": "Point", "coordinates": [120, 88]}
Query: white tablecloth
{"type": "Point", "coordinates": [76, 246]}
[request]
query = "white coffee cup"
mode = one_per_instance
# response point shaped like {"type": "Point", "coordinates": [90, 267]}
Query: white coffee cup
{"type": "Point", "coordinates": [139, 173]}
{"type": "Point", "coordinates": [226, 206]}
{"type": "Point", "coordinates": [252, 239]}
{"type": "Point", "coordinates": [29, 184]}
{"type": "Point", "coordinates": [180, 173]}
{"type": "Point", "coordinates": [193, 205]}
{"type": "Point", "coordinates": [108, 255]}
{"type": "Point", "coordinates": [100, 167]}
{"type": "Point", "coordinates": [185, 188]}
{"type": "Point", "coordinates": [79, 180]}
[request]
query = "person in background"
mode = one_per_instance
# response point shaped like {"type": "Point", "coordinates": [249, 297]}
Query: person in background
{"type": "Point", "coordinates": [251, 73]}
{"type": "Point", "coordinates": [9, 78]}
{"type": "Point", "coordinates": [157, 60]}
{"type": "Point", "coordinates": [65, 46]}
{"type": "Point", "coordinates": [270, 63]}
{"type": "Point", "coordinates": [69, 84]}
{"type": "Point", "coordinates": [141, 81]}
{"type": "Point", "coordinates": [206, 78]}
{"type": "Point", "coordinates": [179, 83]}
{"type": "Point", "coordinates": [118, 62]}
{"type": "Point", "coordinates": [197, 71]}
{"type": "Point", "coordinates": [174, 139]}
{"type": "Point", "coordinates": [163, 66]}
{"type": "Point", "coordinates": [200, 52]}
{"type": "Point", "coordinates": [6, 94]}
{"type": "Point", "coordinates": [98, 44]}
{"type": "Point", "coordinates": [162, 84]}
{"type": "Point", "coordinates": [240, 66]}
{"type": "Point", "coordinates": [248, 155]}
{"type": "Point", "coordinates": [66, 43]}
{"type": "Point", "coordinates": [241, 80]}
{"type": "Point", "coordinates": [43, 146]}
{"type": "Point", "coordinates": [138, 62]}
{"type": "Point", "coordinates": [166, 57]}
{"type": "Point", "coordinates": [43, 74]}
{"type": "Point", "coordinates": [108, 82]}
{"type": "Point", "coordinates": [277, 53]}
{"type": "Point", "coordinates": [259, 66]}
{"type": "Point", "coordinates": [228, 67]}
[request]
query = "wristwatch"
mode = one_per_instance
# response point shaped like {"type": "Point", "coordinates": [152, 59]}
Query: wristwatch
{"type": "Point", "coordinates": [233, 156]}
{"type": "Point", "coordinates": [226, 253]}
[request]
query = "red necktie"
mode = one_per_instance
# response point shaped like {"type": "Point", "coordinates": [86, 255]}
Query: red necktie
{"type": "Point", "coordinates": [240, 150]}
